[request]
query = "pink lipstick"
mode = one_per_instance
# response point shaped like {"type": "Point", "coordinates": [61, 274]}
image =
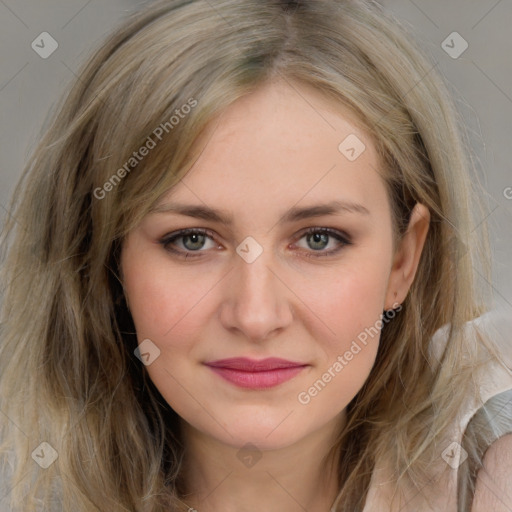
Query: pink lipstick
{"type": "Point", "coordinates": [254, 374]}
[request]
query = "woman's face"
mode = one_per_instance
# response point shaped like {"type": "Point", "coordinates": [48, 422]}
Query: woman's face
{"type": "Point", "coordinates": [257, 285]}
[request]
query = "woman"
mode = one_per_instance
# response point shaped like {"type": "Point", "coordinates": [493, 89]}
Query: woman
{"type": "Point", "coordinates": [195, 344]}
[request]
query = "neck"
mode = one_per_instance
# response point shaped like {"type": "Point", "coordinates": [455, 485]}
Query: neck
{"type": "Point", "coordinates": [294, 478]}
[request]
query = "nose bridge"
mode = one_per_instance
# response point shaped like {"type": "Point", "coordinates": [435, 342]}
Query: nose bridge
{"type": "Point", "coordinates": [253, 265]}
{"type": "Point", "coordinates": [255, 280]}
{"type": "Point", "coordinates": [257, 305]}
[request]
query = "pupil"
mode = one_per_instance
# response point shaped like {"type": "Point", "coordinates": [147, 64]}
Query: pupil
{"type": "Point", "coordinates": [318, 237]}
{"type": "Point", "coordinates": [193, 238]}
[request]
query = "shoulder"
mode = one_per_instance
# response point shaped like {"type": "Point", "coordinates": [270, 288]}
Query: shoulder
{"type": "Point", "coordinates": [487, 422]}
{"type": "Point", "coordinates": [493, 489]}
{"type": "Point", "coordinates": [487, 342]}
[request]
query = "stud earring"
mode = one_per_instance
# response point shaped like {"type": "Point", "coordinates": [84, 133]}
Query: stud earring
{"type": "Point", "coordinates": [389, 314]}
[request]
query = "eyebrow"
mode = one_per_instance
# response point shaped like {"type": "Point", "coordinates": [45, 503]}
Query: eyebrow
{"type": "Point", "coordinates": [294, 214]}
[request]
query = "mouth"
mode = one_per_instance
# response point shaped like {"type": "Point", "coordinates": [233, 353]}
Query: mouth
{"type": "Point", "coordinates": [254, 374]}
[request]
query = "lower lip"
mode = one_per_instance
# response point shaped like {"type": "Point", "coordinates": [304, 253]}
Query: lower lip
{"type": "Point", "coordinates": [258, 380]}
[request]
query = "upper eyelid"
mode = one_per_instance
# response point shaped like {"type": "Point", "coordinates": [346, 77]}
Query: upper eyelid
{"type": "Point", "coordinates": [186, 231]}
{"type": "Point", "coordinates": [340, 235]}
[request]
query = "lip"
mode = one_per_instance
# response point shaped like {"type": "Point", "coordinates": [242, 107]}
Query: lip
{"type": "Point", "coordinates": [256, 374]}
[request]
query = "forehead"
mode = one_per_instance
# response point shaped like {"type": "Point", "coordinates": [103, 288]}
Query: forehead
{"type": "Point", "coordinates": [281, 145]}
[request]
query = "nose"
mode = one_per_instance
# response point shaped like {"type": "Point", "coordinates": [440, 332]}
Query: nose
{"type": "Point", "coordinates": [257, 301]}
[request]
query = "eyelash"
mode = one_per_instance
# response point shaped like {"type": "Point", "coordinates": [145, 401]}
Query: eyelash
{"type": "Point", "coordinates": [167, 240]}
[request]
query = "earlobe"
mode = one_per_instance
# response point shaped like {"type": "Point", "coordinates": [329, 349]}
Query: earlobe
{"type": "Point", "coordinates": [407, 256]}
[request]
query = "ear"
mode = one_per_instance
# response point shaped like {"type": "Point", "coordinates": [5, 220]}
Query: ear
{"type": "Point", "coordinates": [407, 256]}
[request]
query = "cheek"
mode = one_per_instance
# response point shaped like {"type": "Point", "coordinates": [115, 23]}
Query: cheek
{"type": "Point", "coordinates": [351, 307]}
{"type": "Point", "coordinates": [161, 301]}
{"type": "Point", "coordinates": [334, 310]}
{"type": "Point", "coordinates": [348, 303]}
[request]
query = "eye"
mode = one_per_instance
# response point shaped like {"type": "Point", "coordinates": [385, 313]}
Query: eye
{"type": "Point", "coordinates": [318, 239]}
{"type": "Point", "coordinates": [194, 240]}
{"type": "Point", "coordinates": [191, 240]}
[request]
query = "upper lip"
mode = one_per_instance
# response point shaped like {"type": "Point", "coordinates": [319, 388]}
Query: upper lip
{"type": "Point", "coordinates": [252, 365]}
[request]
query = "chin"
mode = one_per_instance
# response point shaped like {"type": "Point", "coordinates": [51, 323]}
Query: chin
{"type": "Point", "coordinates": [261, 439]}
{"type": "Point", "coordinates": [266, 433]}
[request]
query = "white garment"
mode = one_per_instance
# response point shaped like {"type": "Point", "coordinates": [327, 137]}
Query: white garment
{"type": "Point", "coordinates": [494, 379]}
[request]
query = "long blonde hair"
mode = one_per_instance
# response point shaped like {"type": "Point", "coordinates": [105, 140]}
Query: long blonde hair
{"type": "Point", "coordinates": [69, 376]}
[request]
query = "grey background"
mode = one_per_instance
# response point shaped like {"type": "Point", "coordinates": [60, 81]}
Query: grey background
{"type": "Point", "coordinates": [481, 78]}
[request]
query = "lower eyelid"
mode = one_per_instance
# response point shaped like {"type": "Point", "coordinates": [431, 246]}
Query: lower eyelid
{"type": "Point", "coordinates": [167, 241]}
{"type": "Point", "coordinates": [325, 253]}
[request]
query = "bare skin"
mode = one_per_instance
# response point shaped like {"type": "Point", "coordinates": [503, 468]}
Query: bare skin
{"type": "Point", "coordinates": [305, 298]}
